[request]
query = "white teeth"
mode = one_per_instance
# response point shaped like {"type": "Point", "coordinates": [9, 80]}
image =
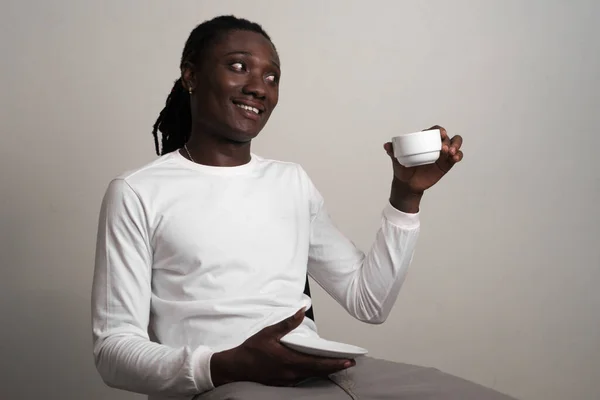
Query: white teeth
{"type": "Point", "coordinates": [245, 107]}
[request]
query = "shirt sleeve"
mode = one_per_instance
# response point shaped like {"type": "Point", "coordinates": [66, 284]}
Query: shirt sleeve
{"type": "Point", "coordinates": [365, 284]}
{"type": "Point", "coordinates": [125, 356]}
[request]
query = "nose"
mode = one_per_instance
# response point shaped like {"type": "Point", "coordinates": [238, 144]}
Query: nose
{"type": "Point", "coordinates": [255, 86]}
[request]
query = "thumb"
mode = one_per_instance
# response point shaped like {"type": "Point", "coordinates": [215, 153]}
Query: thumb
{"type": "Point", "coordinates": [284, 327]}
{"type": "Point", "coordinates": [389, 149]}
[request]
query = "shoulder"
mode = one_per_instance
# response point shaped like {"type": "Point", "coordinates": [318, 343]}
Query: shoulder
{"type": "Point", "coordinates": [150, 169]}
{"type": "Point", "coordinates": [282, 166]}
{"type": "Point", "coordinates": [129, 182]}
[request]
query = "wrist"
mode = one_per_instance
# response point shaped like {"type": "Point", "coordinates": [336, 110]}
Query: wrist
{"type": "Point", "coordinates": [403, 199]}
{"type": "Point", "coordinates": [222, 370]}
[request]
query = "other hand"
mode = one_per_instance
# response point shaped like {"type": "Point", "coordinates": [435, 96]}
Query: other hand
{"type": "Point", "coordinates": [263, 359]}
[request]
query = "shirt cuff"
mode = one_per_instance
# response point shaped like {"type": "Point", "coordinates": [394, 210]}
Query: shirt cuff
{"type": "Point", "coordinates": [201, 369]}
{"type": "Point", "coordinates": [400, 218]}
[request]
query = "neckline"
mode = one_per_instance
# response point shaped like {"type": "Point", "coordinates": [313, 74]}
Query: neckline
{"type": "Point", "coordinates": [215, 170]}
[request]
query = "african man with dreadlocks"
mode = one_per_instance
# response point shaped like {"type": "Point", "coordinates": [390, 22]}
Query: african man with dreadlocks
{"type": "Point", "coordinates": [202, 255]}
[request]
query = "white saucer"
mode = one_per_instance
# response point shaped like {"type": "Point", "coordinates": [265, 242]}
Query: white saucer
{"type": "Point", "coordinates": [321, 347]}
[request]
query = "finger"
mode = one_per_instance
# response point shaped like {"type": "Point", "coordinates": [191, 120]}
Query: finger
{"type": "Point", "coordinates": [446, 145]}
{"type": "Point", "coordinates": [301, 365]}
{"type": "Point", "coordinates": [284, 327]}
{"type": "Point", "coordinates": [455, 144]}
{"type": "Point", "coordinates": [389, 148]}
{"type": "Point", "coordinates": [457, 157]}
{"type": "Point", "coordinates": [446, 163]}
{"type": "Point", "coordinates": [330, 366]}
{"type": "Point", "coordinates": [319, 366]}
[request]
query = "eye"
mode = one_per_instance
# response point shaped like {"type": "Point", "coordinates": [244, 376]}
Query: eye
{"type": "Point", "coordinates": [237, 66]}
{"type": "Point", "coordinates": [273, 78]}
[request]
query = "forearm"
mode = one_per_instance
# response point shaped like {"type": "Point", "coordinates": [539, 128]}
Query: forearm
{"type": "Point", "coordinates": [383, 271]}
{"type": "Point", "coordinates": [136, 364]}
{"type": "Point", "coordinates": [366, 285]}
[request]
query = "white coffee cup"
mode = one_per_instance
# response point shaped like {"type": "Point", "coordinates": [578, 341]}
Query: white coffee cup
{"type": "Point", "coordinates": [417, 148]}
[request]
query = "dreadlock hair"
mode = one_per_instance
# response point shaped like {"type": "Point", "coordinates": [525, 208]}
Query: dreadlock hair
{"type": "Point", "coordinates": [175, 120]}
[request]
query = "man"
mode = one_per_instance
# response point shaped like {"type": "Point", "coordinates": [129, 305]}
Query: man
{"type": "Point", "coordinates": [207, 249]}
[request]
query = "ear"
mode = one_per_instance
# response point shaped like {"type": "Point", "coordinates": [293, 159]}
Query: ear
{"type": "Point", "coordinates": [188, 76]}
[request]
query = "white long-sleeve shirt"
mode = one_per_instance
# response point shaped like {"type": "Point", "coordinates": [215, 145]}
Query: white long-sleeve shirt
{"type": "Point", "coordinates": [193, 259]}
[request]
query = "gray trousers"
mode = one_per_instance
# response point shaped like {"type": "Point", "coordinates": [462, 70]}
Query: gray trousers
{"type": "Point", "coordinates": [370, 379]}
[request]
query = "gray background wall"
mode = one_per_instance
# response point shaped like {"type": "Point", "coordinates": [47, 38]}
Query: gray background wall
{"type": "Point", "coordinates": [503, 289]}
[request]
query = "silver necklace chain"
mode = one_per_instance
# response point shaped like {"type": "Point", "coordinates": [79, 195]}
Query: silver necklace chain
{"type": "Point", "coordinates": [188, 152]}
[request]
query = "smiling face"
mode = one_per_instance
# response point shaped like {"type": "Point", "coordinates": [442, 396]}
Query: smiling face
{"type": "Point", "coordinates": [235, 86]}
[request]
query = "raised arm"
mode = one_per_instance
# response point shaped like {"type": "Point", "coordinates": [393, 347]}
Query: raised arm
{"type": "Point", "coordinates": [121, 294]}
{"type": "Point", "coordinates": [367, 284]}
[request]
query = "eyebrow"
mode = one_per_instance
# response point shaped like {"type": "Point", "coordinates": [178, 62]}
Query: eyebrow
{"type": "Point", "coordinates": [247, 53]}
